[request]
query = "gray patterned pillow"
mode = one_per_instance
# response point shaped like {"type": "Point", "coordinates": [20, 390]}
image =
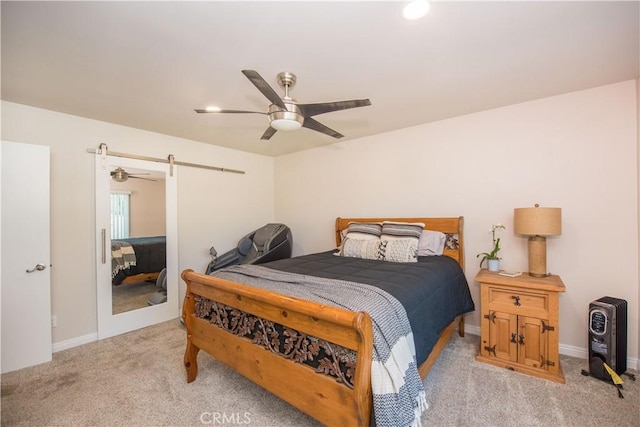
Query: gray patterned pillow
{"type": "Point", "coordinates": [358, 248]}
{"type": "Point", "coordinates": [399, 250]}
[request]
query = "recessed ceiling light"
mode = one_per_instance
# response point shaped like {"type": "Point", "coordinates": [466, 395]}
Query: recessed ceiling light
{"type": "Point", "coordinates": [415, 9]}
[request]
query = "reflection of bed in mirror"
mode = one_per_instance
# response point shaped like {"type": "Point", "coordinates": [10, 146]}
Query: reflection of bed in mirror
{"type": "Point", "coordinates": [137, 259]}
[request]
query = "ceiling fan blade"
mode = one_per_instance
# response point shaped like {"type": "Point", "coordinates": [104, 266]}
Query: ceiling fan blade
{"type": "Point", "coordinates": [309, 110]}
{"type": "Point", "coordinates": [137, 177]}
{"type": "Point", "coordinates": [264, 87]}
{"type": "Point", "coordinates": [268, 133]}
{"type": "Point", "coordinates": [203, 111]}
{"type": "Point", "coordinates": [313, 124]}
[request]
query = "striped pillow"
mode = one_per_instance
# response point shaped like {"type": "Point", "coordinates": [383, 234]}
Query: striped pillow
{"type": "Point", "coordinates": [401, 230]}
{"type": "Point", "coordinates": [363, 230]}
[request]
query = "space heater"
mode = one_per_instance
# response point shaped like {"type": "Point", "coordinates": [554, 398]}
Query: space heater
{"type": "Point", "coordinates": [607, 336]}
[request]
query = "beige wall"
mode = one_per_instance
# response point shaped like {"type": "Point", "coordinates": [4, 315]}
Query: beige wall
{"type": "Point", "coordinates": [214, 208]}
{"type": "Point", "coordinates": [147, 213]}
{"type": "Point", "coordinates": [577, 151]}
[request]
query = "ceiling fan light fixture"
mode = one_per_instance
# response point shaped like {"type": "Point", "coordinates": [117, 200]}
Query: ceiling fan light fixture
{"type": "Point", "coordinates": [212, 109]}
{"type": "Point", "coordinates": [285, 120]}
{"type": "Point", "coordinates": [285, 124]}
{"type": "Point", "coordinates": [416, 9]}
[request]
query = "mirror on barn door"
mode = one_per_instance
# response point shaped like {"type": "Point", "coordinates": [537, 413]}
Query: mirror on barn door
{"type": "Point", "coordinates": [138, 238]}
{"type": "Point", "coordinates": [136, 242]}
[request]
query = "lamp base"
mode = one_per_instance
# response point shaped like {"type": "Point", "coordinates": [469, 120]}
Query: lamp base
{"type": "Point", "coordinates": [538, 256]}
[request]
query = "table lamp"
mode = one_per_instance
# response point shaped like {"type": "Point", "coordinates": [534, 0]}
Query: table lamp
{"type": "Point", "coordinates": [537, 223]}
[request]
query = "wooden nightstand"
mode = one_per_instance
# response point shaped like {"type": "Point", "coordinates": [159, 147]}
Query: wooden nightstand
{"type": "Point", "coordinates": [520, 323]}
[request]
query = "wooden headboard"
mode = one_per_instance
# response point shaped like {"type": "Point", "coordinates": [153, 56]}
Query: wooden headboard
{"type": "Point", "coordinates": [452, 227]}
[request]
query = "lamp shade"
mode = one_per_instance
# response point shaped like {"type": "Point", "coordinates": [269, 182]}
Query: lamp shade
{"type": "Point", "coordinates": [537, 221]}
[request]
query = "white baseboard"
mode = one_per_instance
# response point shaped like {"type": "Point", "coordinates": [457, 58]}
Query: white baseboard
{"type": "Point", "coordinates": [473, 330]}
{"type": "Point", "coordinates": [74, 342]}
{"type": "Point", "coordinates": [583, 353]}
{"type": "Point", "coordinates": [568, 350]}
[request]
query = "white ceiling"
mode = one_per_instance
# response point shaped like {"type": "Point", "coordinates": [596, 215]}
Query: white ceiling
{"type": "Point", "coordinates": [149, 64]}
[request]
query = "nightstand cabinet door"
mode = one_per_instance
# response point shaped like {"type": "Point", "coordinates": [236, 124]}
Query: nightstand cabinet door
{"type": "Point", "coordinates": [519, 329]}
{"type": "Point", "coordinates": [532, 349]}
{"type": "Point", "coordinates": [503, 344]}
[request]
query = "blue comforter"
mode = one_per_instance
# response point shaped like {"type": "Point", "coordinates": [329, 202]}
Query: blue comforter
{"type": "Point", "coordinates": [433, 290]}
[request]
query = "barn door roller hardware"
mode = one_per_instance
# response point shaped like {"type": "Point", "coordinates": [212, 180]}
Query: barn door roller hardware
{"type": "Point", "coordinates": [103, 151]}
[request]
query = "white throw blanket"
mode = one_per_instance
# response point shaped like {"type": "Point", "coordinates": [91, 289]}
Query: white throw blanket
{"type": "Point", "coordinates": [399, 397]}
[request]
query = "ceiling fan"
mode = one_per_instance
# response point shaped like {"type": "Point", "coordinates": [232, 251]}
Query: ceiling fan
{"type": "Point", "coordinates": [120, 175]}
{"type": "Point", "coordinates": [285, 113]}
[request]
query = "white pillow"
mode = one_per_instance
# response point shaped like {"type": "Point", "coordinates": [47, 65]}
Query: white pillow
{"type": "Point", "coordinates": [359, 248]}
{"type": "Point", "coordinates": [399, 250]}
{"type": "Point", "coordinates": [431, 243]}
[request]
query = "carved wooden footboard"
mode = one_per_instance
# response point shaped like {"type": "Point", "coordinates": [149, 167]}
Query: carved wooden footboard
{"type": "Point", "coordinates": [321, 397]}
{"type": "Point", "coordinates": [324, 398]}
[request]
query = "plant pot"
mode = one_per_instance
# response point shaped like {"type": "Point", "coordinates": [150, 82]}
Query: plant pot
{"type": "Point", "coordinates": [493, 264]}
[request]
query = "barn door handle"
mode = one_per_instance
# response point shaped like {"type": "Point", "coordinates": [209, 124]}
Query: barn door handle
{"type": "Point", "coordinates": [38, 267]}
{"type": "Point", "coordinates": [103, 236]}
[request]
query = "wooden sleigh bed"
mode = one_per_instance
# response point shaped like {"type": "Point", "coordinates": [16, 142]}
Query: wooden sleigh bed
{"type": "Point", "coordinates": [322, 397]}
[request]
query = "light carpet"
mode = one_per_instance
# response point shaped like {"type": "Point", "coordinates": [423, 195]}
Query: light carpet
{"type": "Point", "coordinates": [131, 296]}
{"type": "Point", "coordinates": [138, 379]}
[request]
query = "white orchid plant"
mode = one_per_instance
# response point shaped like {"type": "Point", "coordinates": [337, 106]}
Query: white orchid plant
{"type": "Point", "coordinates": [496, 245]}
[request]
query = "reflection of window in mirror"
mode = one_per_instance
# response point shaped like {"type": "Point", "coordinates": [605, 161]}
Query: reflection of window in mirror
{"type": "Point", "coordinates": [120, 214]}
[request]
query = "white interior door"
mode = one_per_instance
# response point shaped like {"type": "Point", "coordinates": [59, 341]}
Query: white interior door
{"type": "Point", "coordinates": [25, 283]}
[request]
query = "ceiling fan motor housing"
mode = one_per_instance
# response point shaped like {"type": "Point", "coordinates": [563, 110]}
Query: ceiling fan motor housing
{"type": "Point", "coordinates": [291, 119]}
{"type": "Point", "coordinates": [119, 175]}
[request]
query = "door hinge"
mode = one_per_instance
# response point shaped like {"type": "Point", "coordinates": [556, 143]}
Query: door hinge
{"type": "Point", "coordinates": [546, 362]}
{"type": "Point", "coordinates": [546, 327]}
{"type": "Point", "coordinates": [491, 349]}
{"type": "Point", "coordinates": [491, 316]}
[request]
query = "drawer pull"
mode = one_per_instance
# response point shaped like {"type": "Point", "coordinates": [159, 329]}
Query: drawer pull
{"type": "Point", "coordinates": [513, 338]}
{"type": "Point", "coordinates": [517, 300]}
{"type": "Point", "coordinates": [521, 342]}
